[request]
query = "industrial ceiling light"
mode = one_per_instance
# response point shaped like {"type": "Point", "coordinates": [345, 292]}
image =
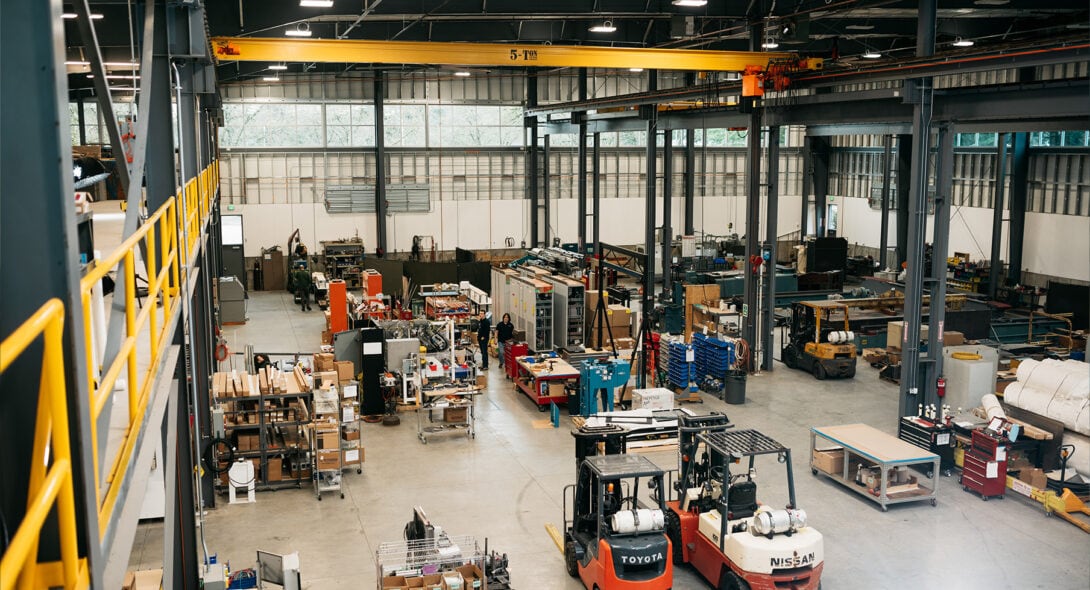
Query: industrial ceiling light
{"type": "Point", "coordinates": [871, 54]}
{"type": "Point", "coordinates": [859, 28]}
{"type": "Point", "coordinates": [271, 79]}
{"type": "Point", "coordinates": [303, 30]}
{"type": "Point", "coordinates": [462, 74]}
{"type": "Point", "coordinates": [770, 43]}
{"type": "Point", "coordinates": [605, 27]}
{"type": "Point", "coordinates": [636, 70]}
{"type": "Point", "coordinates": [690, 3]}
{"type": "Point", "coordinates": [278, 67]}
{"type": "Point", "coordinates": [959, 42]}
{"type": "Point", "coordinates": [72, 15]}
{"type": "Point", "coordinates": [316, 3]}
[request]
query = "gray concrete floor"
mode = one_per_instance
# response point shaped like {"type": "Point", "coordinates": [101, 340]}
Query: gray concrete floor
{"type": "Point", "coordinates": [507, 484]}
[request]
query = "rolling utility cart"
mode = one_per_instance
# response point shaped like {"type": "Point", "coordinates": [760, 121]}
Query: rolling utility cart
{"type": "Point", "coordinates": [445, 410]}
{"type": "Point", "coordinates": [930, 436]}
{"type": "Point", "coordinates": [545, 381]}
{"type": "Point", "coordinates": [873, 463]}
{"type": "Point", "coordinates": [985, 465]}
{"type": "Point", "coordinates": [326, 442]}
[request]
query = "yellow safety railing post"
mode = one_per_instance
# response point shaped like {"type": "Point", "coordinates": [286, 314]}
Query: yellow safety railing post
{"type": "Point", "coordinates": [130, 328]}
{"type": "Point", "coordinates": [153, 291]}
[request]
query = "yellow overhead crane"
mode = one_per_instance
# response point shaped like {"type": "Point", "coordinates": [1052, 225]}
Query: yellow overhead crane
{"type": "Point", "coordinates": [509, 55]}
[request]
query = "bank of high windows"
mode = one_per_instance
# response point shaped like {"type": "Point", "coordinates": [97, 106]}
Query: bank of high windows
{"type": "Point", "coordinates": [1036, 139]}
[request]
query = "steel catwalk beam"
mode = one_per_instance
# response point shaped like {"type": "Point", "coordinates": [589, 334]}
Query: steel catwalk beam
{"type": "Point", "coordinates": [1019, 195]}
{"type": "Point", "coordinates": [39, 261]}
{"type": "Point", "coordinates": [771, 224]}
{"type": "Point", "coordinates": [484, 54]}
{"type": "Point", "coordinates": [995, 266]}
{"type": "Point", "coordinates": [936, 283]}
{"type": "Point", "coordinates": [750, 308]}
{"type": "Point", "coordinates": [690, 180]}
{"type": "Point", "coordinates": [581, 187]}
{"type": "Point", "coordinates": [531, 156]}
{"type": "Point", "coordinates": [904, 186]}
{"type": "Point", "coordinates": [667, 208]}
{"type": "Point", "coordinates": [380, 162]}
{"type": "Point", "coordinates": [887, 177]}
{"type": "Point", "coordinates": [648, 292]}
{"type": "Point", "coordinates": [920, 91]}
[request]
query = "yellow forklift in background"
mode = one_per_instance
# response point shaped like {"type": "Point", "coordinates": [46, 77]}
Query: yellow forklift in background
{"type": "Point", "coordinates": [817, 348]}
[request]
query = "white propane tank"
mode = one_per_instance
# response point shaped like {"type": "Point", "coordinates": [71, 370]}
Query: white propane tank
{"type": "Point", "coordinates": [637, 521]}
{"type": "Point", "coordinates": [841, 337]}
{"type": "Point", "coordinates": [774, 522]}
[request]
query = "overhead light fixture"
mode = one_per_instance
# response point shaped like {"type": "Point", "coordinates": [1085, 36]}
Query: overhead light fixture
{"type": "Point", "coordinates": [117, 77]}
{"type": "Point", "coordinates": [316, 3]}
{"type": "Point", "coordinates": [72, 15]}
{"type": "Point", "coordinates": [959, 42]}
{"type": "Point", "coordinates": [871, 54]}
{"type": "Point", "coordinates": [859, 28]}
{"type": "Point", "coordinates": [636, 70]}
{"type": "Point", "coordinates": [605, 27]}
{"type": "Point", "coordinates": [690, 3]}
{"type": "Point", "coordinates": [303, 30]}
{"type": "Point", "coordinates": [271, 79]}
{"type": "Point", "coordinates": [462, 74]}
{"type": "Point", "coordinates": [769, 43]}
{"type": "Point", "coordinates": [278, 67]}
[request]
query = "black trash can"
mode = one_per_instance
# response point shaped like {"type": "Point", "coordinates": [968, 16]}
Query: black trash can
{"type": "Point", "coordinates": [735, 387]}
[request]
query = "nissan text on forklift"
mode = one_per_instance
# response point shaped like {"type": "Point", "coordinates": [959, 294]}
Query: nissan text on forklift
{"type": "Point", "coordinates": [717, 524]}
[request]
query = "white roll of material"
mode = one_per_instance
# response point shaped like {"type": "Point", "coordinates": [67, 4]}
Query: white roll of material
{"type": "Point", "coordinates": [637, 521]}
{"type": "Point", "coordinates": [992, 407]}
{"type": "Point", "coordinates": [1080, 461]}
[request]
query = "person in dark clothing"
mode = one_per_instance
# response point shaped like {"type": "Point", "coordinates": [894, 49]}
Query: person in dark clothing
{"type": "Point", "coordinates": [301, 283]}
{"type": "Point", "coordinates": [505, 332]}
{"type": "Point", "coordinates": [261, 361]}
{"type": "Point", "coordinates": [484, 330]}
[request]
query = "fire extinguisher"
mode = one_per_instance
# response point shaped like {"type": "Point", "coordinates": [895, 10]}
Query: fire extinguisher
{"type": "Point", "coordinates": [940, 387]}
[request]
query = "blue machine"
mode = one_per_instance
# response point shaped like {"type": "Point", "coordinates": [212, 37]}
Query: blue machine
{"type": "Point", "coordinates": [600, 376]}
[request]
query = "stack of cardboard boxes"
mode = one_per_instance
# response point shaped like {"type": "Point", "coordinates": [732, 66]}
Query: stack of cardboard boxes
{"type": "Point", "coordinates": [895, 338]}
{"type": "Point", "coordinates": [336, 409]}
{"type": "Point", "coordinates": [466, 577]}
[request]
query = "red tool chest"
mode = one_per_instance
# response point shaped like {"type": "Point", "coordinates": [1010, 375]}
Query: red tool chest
{"type": "Point", "coordinates": [985, 470]}
{"type": "Point", "coordinates": [514, 351]}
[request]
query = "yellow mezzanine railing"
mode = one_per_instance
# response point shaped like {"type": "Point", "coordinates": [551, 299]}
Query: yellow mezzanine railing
{"type": "Point", "coordinates": [52, 485]}
{"type": "Point", "coordinates": [168, 237]}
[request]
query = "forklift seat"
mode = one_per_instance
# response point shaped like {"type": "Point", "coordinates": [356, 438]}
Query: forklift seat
{"type": "Point", "coordinates": [742, 499]}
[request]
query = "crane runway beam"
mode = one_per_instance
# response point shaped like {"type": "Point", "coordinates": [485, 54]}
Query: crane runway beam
{"type": "Point", "coordinates": [489, 54]}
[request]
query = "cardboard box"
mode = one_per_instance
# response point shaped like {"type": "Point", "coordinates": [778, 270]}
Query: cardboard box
{"type": "Point", "coordinates": [653, 399]}
{"type": "Point", "coordinates": [275, 469]}
{"type": "Point", "coordinates": [249, 442]}
{"type": "Point", "coordinates": [329, 459]}
{"type": "Point", "coordinates": [346, 371]}
{"type": "Point", "coordinates": [147, 579]}
{"type": "Point", "coordinates": [455, 414]}
{"type": "Point", "coordinates": [350, 435]}
{"type": "Point", "coordinates": [453, 581]}
{"type": "Point", "coordinates": [830, 460]}
{"type": "Point", "coordinates": [415, 582]}
{"type": "Point", "coordinates": [352, 456]}
{"type": "Point", "coordinates": [619, 316]}
{"type": "Point", "coordinates": [323, 361]}
{"type": "Point", "coordinates": [895, 334]}
{"type": "Point", "coordinates": [328, 440]}
{"type": "Point", "coordinates": [433, 582]}
{"type": "Point", "coordinates": [394, 582]}
{"type": "Point", "coordinates": [1035, 477]}
{"type": "Point", "coordinates": [482, 380]}
{"type": "Point", "coordinates": [130, 581]}
{"type": "Point", "coordinates": [952, 338]}
{"type": "Point", "coordinates": [324, 379]}
{"type": "Point", "coordinates": [473, 577]}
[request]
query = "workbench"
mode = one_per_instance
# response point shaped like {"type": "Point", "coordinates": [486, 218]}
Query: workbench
{"type": "Point", "coordinates": [866, 445]}
{"type": "Point", "coordinates": [544, 381]}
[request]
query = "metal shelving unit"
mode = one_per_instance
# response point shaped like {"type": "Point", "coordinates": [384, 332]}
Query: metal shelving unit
{"type": "Point", "coordinates": [416, 558]}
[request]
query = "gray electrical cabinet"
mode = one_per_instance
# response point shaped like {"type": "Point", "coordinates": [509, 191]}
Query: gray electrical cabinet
{"type": "Point", "coordinates": [569, 307]}
{"type": "Point", "coordinates": [232, 300]}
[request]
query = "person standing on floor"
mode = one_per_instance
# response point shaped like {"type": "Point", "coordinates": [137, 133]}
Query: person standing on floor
{"type": "Point", "coordinates": [505, 332]}
{"type": "Point", "coordinates": [484, 330]}
{"type": "Point", "coordinates": [301, 282]}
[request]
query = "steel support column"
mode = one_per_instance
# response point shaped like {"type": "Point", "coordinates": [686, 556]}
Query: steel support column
{"type": "Point", "coordinates": [581, 179]}
{"type": "Point", "coordinates": [807, 185]}
{"type": "Point", "coordinates": [690, 180]}
{"type": "Point", "coordinates": [38, 245]}
{"type": "Point", "coordinates": [81, 119]}
{"type": "Point", "coordinates": [912, 390]}
{"type": "Point", "coordinates": [750, 309]}
{"type": "Point", "coordinates": [887, 173]}
{"type": "Point", "coordinates": [647, 294]}
{"type": "Point", "coordinates": [772, 214]}
{"type": "Point", "coordinates": [545, 190]}
{"type": "Point", "coordinates": [667, 208]}
{"type": "Point", "coordinates": [995, 266]}
{"type": "Point", "coordinates": [904, 187]}
{"type": "Point", "coordinates": [380, 163]}
{"type": "Point", "coordinates": [180, 563]}
{"type": "Point", "coordinates": [531, 157]}
{"type": "Point", "coordinates": [1019, 196]}
{"type": "Point", "coordinates": [596, 190]}
{"type": "Point", "coordinates": [940, 243]}
{"type": "Point", "coordinates": [819, 160]}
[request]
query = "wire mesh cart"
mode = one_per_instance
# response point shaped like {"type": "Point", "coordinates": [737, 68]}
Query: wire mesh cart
{"type": "Point", "coordinates": [326, 445]}
{"type": "Point", "coordinates": [446, 410]}
{"type": "Point", "coordinates": [426, 557]}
